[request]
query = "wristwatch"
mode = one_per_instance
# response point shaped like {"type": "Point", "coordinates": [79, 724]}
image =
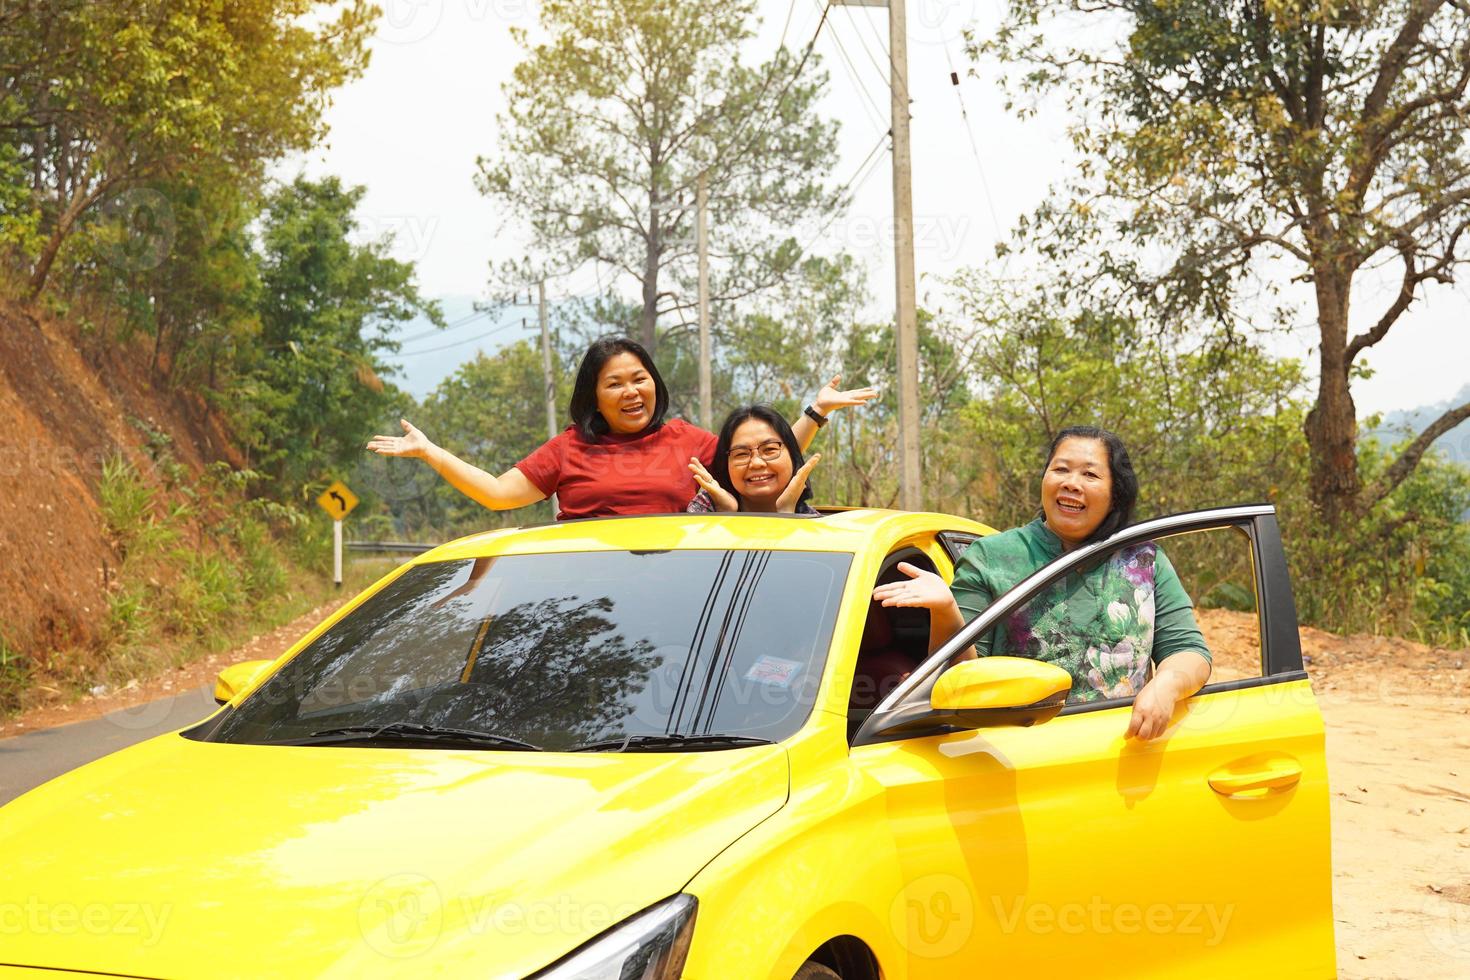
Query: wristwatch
{"type": "Point", "coordinates": [815, 416]}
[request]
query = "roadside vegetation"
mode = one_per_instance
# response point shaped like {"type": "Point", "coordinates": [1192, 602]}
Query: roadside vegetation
{"type": "Point", "coordinates": [137, 211]}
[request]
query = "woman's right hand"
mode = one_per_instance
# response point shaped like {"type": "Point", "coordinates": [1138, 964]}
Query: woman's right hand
{"type": "Point", "coordinates": [723, 499]}
{"type": "Point", "coordinates": [924, 589]}
{"type": "Point", "coordinates": [411, 443]}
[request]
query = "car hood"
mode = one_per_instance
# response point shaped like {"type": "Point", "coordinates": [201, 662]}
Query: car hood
{"type": "Point", "coordinates": [179, 858]}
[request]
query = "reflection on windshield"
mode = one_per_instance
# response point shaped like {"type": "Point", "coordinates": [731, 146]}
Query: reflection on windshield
{"type": "Point", "coordinates": [564, 650]}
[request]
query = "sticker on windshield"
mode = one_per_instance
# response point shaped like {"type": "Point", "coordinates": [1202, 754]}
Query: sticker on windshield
{"type": "Point", "coordinates": [773, 670]}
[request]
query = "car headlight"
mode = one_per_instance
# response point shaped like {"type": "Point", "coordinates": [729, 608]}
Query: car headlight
{"type": "Point", "coordinates": [651, 945]}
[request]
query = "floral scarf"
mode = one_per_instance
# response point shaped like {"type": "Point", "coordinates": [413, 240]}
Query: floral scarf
{"type": "Point", "coordinates": [1098, 625]}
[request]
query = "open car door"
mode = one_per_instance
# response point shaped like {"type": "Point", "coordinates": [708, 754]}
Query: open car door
{"type": "Point", "coordinates": [1069, 850]}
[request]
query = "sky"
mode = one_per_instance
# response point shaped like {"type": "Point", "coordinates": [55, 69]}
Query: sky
{"type": "Point", "coordinates": [411, 128]}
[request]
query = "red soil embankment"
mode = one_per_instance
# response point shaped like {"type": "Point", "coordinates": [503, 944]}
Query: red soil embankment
{"type": "Point", "coordinates": [69, 401]}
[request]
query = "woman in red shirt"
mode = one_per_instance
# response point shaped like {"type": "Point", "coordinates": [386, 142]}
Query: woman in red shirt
{"type": "Point", "coordinates": [619, 455]}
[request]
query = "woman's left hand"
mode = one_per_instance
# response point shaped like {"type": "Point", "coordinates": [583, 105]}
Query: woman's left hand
{"type": "Point", "coordinates": [829, 399]}
{"type": "Point", "coordinates": [786, 503]}
{"type": "Point", "coordinates": [718, 495]}
{"type": "Point", "coordinates": [1152, 709]}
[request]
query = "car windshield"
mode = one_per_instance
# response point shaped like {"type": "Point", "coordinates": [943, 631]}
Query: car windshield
{"type": "Point", "coordinates": [563, 651]}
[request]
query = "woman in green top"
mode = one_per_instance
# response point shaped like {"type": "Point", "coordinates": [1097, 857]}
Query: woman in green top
{"type": "Point", "coordinates": [1107, 626]}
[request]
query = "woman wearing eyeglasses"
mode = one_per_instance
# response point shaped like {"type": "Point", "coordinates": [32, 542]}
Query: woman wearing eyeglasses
{"type": "Point", "coordinates": [618, 456]}
{"type": "Point", "coordinates": [757, 467]}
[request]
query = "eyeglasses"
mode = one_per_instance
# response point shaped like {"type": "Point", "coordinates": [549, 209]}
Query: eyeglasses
{"type": "Point", "coordinates": [768, 451]}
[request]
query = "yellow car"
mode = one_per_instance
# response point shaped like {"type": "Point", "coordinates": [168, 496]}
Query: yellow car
{"type": "Point", "coordinates": [690, 746]}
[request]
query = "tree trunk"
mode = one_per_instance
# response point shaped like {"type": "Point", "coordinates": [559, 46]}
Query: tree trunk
{"type": "Point", "coordinates": [42, 268]}
{"type": "Point", "coordinates": [1332, 424]}
{"type": "Point", "coordinates": [650, 279]}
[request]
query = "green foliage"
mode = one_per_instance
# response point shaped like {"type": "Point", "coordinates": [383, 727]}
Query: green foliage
{"type": "Point", "coordinates": [129, 509]}
{"type": "Point", "coordinates": [611, 119]}
{"type": "Point", "coordinates": [198, 555]}
{"type": "Point", "coordinates": [309, 388]}
{"type": "Point", "coordinates": [108, 96]}
{"type": "Point", "coordinates": [1204, 425]}
{"type": "Point", "coordinates": [1326, 136]}
{"type": "Point", "coordinates": [1404, 568]}
{"type": "Point", "coordinates": [15, 677]}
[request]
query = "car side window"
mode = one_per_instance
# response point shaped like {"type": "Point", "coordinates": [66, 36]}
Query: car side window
{"type": "Point", "coordinates": [955, 542]}
{"type": "Point", "coordinates": [1113, 622]}
{"type": "Point", "coordinates": [895, 639]}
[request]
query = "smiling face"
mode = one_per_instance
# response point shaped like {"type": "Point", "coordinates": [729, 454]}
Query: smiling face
{"type": "Point", "coordinates": [756, 479]}
{"type": "Point", "coordinates": [1077, 489]}
{"type": "Point", "coordinates": [625, 394]}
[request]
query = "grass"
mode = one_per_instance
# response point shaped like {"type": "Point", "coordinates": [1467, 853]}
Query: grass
{"type": "Point", "coordinates": [15, 672]}
{"type": "Point", "coordinates": [193, 581]}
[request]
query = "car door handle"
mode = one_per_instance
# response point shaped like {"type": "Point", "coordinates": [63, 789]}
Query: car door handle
{"type": "Point", "coordinates": [1277, 775]}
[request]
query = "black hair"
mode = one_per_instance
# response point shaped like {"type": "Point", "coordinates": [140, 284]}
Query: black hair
{"type": "Point", "coordinates": [1125, 481]}
{"type": "Point", "coordinates": [720, 469]}
{"type": "Point", "coordinates": [585, 416]}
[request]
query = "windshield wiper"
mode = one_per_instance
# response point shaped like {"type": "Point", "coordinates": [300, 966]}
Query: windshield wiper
{"type": "Point", "coordinates": [410, 731]}
{"type": "Point", "coordinates": [637, 743]}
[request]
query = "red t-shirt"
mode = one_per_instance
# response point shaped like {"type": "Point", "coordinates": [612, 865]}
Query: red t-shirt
{"type": "Point", "coordinates": [642, 473]}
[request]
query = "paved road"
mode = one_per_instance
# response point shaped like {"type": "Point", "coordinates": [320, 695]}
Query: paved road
{"type": "Point", "coordinates": [28, 760]}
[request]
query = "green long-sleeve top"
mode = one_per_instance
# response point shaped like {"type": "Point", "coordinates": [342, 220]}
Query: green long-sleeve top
{"type": "Point", "coordinates": [1104, 627]}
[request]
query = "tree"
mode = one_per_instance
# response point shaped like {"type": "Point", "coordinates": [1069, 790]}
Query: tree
{"type": "Point", "coordinates": [309, 393]}
{"type": "Point", "coordinates": [103, 97]}
{"type": "Point", "coordinates": [1204, 427]}
{"type": "Point", "coordinates": [610, 122]}
{"type": "Point", "coordinates": [1326, 134]}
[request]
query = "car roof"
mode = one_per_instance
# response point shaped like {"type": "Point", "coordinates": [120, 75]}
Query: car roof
{"type": "Point", "coordinates": [845, 530]}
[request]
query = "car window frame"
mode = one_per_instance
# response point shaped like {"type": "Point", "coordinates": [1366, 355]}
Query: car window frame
{"type": "Point", "coordinates": [955, 543]}
{"type": "Point", "coordinates": [1281, 655]}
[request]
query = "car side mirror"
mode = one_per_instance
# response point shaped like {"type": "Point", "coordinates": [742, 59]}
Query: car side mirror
{"type": "Point", "coordinates": [991, 691]}
{"type": "Point", "coordinates": [237, 677]}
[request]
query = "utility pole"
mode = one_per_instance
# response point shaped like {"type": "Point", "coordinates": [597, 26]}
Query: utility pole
{"type": "Point", "coordinates": [546, 362]}
{"type": "Point", "coordinates": [702, 225]}
{"type": "Point", "coordinates": [549, 381]}
{"type": "Point", "coordinates": [910, 473]}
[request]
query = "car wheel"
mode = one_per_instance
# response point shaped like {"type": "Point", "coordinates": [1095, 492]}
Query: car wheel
{"type": "Point", "coordinates": [815, 971]}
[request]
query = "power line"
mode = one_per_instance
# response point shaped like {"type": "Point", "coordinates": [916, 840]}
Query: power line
{"type": "Point", "coordinates": [969, 131]}
{"type": "Point", "coordinates": [857, 76]}
{"type": "Point", "coordinates": [458, 343]}
{"type": "Point", "coordinates": [787, 26]}
{"type": "Point", "coordinates": [885, 68]}
{"type": "Point", "coordinates": [869, 104]}
{"type": "Point", "coordinates": [858, 178]}
{"type": "Point", "coordinates": [800, 65]}
{"type": "Point", "coordinates": [440, 330]}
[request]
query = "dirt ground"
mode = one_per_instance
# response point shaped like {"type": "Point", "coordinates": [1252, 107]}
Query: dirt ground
{"type": "Point", "coordinates": [1398, 760]}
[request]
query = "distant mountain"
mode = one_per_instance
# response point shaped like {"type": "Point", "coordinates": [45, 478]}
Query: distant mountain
{"type": "Point", "coordinates": [1455, 444]}
{"type": "Point", "coordinates": [430, 355]}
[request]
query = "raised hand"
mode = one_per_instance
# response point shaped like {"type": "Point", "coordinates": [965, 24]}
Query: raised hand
{"type": "Point", "coordinates": [411, 443]}
{"type": "Point", "coordinates": [829, 399]}
{"type": "Point", "coordinates": [924, 589]}
{"type": "Point", "coordinates": [786, 503]}
{"type": "Point", "coordinates": [723, 499]}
